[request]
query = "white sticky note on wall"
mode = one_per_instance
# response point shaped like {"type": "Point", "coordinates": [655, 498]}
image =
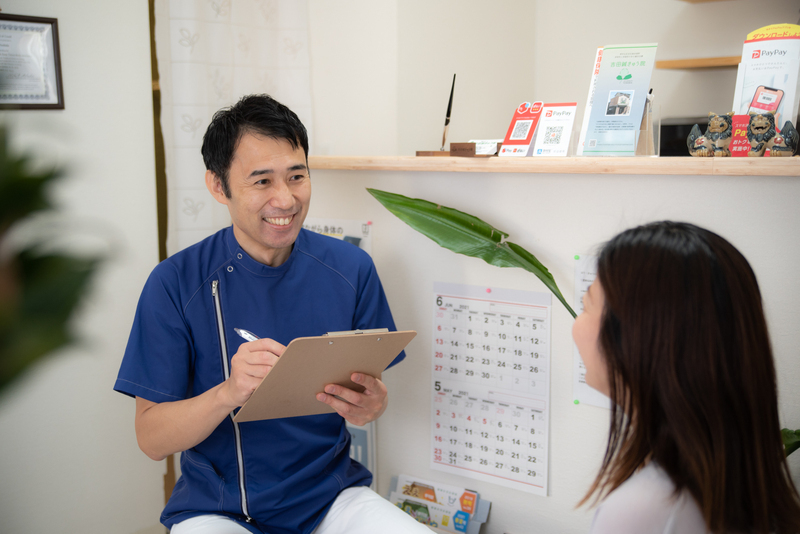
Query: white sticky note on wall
{"type": "Point", "coordinates": [585, 273]}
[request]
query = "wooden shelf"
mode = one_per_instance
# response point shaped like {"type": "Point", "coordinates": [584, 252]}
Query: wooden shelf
{"type": "Point", "coordinates": [700, 63]}
{"type": "Point", "coordinates": [571, 165]}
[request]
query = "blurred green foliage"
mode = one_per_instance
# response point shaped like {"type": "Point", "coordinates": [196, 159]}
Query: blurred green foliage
{"type": "Point", "coordinates": [39, 288]}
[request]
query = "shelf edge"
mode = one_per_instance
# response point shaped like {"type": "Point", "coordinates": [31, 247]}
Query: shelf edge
{"type": "Point", "coordinates": [571, 165]}
{"type": "Point", "coordinates": [700, 63]}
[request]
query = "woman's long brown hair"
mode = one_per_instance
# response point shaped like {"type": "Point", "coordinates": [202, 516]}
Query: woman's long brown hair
{"type": "Point", "coordinates": [692, 380]}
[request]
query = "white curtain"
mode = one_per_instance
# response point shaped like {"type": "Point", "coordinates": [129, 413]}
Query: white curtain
{"type": "Point", "coordinates": [210, 53]}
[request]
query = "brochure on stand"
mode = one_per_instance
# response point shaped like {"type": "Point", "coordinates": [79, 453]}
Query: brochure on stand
{"type": "Point", "coordinates": [768, 79]}
{"type": "Point", "coordinates": [598, 57]}
{"type": "Point", "coordinates": [555, 129]}
{"type": "Point", "coordinates": [620, 96]}
{"type": "Point", "coordinates": [519, 138]}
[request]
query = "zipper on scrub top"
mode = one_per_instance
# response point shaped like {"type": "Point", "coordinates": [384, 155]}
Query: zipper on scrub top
{"type": "Point", "coordinates": [224, 351]}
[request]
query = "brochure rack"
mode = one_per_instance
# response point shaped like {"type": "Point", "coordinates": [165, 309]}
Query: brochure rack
{"type": "Point", "coordinates": [476, 521]}
{"type": "Point", "coordinates": [644, 142]}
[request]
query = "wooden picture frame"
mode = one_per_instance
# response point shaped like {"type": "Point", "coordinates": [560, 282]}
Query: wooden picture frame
{"type": "Point", "coordinates": [30, 63]}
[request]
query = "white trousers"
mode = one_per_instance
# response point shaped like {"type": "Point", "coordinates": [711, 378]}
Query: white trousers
{"type": "Point", "coordinates": [355, 511]}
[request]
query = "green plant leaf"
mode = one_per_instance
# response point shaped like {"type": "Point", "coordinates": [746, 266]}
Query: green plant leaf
{"type": "Point", "coordinates": [791, 440]}
{"type": "Point", "coordinates": [37, 323]}
{"type": "Point", "coordinates": [22, 192]}
{"type": "Point", "coordinates": [465, 234]}
{"type": "Point", "coordinates": [39, 290]}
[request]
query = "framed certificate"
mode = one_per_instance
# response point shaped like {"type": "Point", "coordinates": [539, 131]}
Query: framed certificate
{"type": "Point", "coordinates": [30, 63]}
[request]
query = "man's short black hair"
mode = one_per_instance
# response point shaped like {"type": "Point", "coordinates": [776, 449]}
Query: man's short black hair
{"type": "Point", "coordinates": [254, 114]}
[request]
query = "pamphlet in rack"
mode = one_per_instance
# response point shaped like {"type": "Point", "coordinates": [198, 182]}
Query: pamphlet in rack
{"type": "Point", "coordinates": [442, 507]}
{"type": "Point", "coordinates": [768, 79]}
{"type": "Point", "coordinates": [619, 100]}
{"type": "Point", "coordinates": [555, 129]}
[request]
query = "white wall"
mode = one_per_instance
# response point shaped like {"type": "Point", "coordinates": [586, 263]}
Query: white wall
{"type": "Point", "coordinates": [354, 76]}
{"type": "Point", "coordinates": [554, 217]}
{"type": "Point", "coordinates": [381, 75]}
{"type": "Point", "coordinates": [682, 30]}
{"type": "Point", "coordinates": [481, 43]}
{"type": "Point", "coordinates": [70, 462]}
{"type": "Point", "coordinates": [381, 69]}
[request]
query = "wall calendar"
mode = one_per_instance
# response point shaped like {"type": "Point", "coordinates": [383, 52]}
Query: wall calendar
{"type": "Point", "coordinates": [491, 385]}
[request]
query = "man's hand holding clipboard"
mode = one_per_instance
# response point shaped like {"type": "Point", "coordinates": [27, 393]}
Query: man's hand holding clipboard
{"type": "Point", "coordinates": [338, 373]}
{"type": "Point", "coordinates": [357, 408]}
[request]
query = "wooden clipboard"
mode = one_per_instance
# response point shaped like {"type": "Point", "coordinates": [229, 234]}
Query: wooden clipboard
{"type": "Point", "coordinates": [310, 363]}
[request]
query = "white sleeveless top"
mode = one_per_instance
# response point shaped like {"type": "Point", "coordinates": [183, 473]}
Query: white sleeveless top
{"type": "Point", "coordinates": [646, 504]}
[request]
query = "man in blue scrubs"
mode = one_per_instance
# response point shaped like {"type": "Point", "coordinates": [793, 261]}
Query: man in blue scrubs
{"type": "Point", "coordinates": [189, 371]}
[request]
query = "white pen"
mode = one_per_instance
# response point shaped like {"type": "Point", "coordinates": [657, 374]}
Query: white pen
{"type": "Point", "coordinates": [246, 334]}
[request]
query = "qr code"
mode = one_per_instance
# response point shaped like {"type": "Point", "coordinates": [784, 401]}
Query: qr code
{"type": "Point", "coordinates": [552, 136]}
{"type": "Point", "coordinates": [592, 143]}
{"type": "Point", "coordinates": [521, 129]}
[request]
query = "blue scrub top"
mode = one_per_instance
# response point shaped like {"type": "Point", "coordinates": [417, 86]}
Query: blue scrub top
{"type": "Point", "coordinates": [278, 476]}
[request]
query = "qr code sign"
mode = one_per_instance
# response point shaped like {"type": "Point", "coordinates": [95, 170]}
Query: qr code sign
{"type": "Point", "coordinates": [521, 129]}
{"type": "Point", "coordinates": [592, 143]}
{"type": "Point", "coordinates": [552, 135]}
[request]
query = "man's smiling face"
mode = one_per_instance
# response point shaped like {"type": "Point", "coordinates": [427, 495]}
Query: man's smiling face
{"type": "Point", "coordinates": [270, 194]}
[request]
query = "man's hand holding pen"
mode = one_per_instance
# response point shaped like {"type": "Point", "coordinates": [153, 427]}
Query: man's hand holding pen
{"type": "Point", "coordinates": [251, 363]}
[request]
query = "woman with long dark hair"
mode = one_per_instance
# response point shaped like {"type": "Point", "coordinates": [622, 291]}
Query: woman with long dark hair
{"type": "Point", "coordinates": [673, 331]}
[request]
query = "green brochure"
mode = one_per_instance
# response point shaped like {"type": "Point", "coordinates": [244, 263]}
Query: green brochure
{"type": "Point", "coordinates": [620, 96]}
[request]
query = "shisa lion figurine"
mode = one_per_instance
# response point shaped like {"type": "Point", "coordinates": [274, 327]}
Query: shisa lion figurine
{"type": "Point", "coordinates": [762, 135]}
{"type": "Point", "coordinates": [715, 141]}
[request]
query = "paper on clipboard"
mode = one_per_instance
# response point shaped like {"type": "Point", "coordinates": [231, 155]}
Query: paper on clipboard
{"type": "Point", "coordinates": [310, 363]}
